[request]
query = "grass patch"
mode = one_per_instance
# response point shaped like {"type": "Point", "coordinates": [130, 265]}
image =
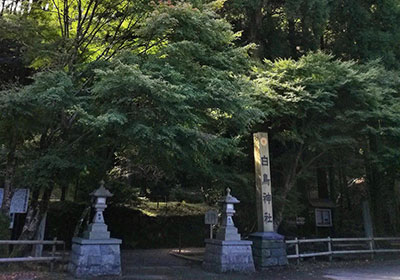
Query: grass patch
{"type": "Point", "coordinates": [155, 209]}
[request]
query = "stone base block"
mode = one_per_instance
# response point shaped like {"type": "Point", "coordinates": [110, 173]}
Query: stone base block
{"type": "Point", "coordinates": [269, 249]}
{"type": "Point", "coordinates": [95, 257]}
{"type": "Point", "coordinates": [224, 256]}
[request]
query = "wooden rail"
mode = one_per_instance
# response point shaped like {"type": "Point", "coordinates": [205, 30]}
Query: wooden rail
{"type": "Point", "coordinates": [51, 259]}
{"type": "Point", "coordinates": [369, 242]}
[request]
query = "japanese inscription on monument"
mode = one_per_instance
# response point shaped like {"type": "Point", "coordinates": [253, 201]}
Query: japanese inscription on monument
{"type": "Point", "coordinates": [263, 183]}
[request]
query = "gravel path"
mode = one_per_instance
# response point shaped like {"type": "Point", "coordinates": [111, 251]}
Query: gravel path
{"type": "Point", "coordinates": [386, 270]}
{"type": "Point", "coordinates": [160, 265]}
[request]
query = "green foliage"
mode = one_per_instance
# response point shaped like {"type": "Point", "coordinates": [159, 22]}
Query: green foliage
{"type": "Point", "coordinates": [302, 96]}
{"type": "Point", "coordinates": [180, 194]}
{"type": "Point", "coordinates": [172, 208]}
{"type": "Point", "coordinates": [187, 99]}
{"type": "Point", "coordinates": [322, 112]}
{"type": "Point", "coordinates": [357, 29]}
{"type": "Point", "coordinates": [180, 93]}
{"type": "Point", "coordinates": [366, 30]}
{"type": "Point", "coordinates": [324, 99]}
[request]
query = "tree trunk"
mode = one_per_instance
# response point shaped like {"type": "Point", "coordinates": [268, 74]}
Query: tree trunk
{"type": "Point", "coordinates": [76, 189]}
{"type": "Point", "coordinates": [332, 184]}
{"type": "Point", "coordinates": [292, 38]}
{"type": "Point", "coordinates": [322, 183]}
{"type": "Point", "coordinates": [64, 189]}
{"type": "Point", "coordinates": [342, 187]}
{"type": "Point", "coordinates": [374, 180]}
{"type": "Point", "coordinates": [289, 181]}
{"type": "Point", "coordinates": [255, 28]}
{"type": "Point", "coordinates": [32, 221]}
{"type": "Point", "coordinates": [278, 214]}
{"type": "Point", "coordinates": [8, 181]}
{"type": "Point", "coordinates": [322, 43]}
{"type": "Point", "coordinates": [3, 7]}
{"type": "Point", "coordinates": [34, 216]}
{"type": "Point", "coordinates": [396, 198]}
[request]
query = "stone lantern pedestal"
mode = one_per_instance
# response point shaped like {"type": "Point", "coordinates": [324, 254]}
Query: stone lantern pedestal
{"type": "Point", "coordinates": [225, 256]}
{"type": "Point", "coordinates": [95, 257]}
{"type": "Point", "coordinates": [228, 252]}
{"type": "Point", "coordinates": [269, 249]}
{"type": "Point", "coordinates": [96, 254]}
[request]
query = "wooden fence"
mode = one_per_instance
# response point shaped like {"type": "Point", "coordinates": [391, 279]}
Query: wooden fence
{"type": "Point", "coordinates": [51, 258]}
{"type": "Point", "coordinates": [340, 246]}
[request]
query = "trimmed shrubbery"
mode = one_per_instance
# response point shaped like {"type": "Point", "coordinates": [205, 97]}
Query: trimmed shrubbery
{"type": "Point", "coordinates": [136, 229]}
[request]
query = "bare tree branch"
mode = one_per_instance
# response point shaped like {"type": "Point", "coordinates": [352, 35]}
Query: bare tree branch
{"type": "Point", "coordinates": [59, 17]}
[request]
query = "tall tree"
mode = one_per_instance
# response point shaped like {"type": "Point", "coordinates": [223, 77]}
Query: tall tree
{"type": "Point", "coordinates": [317, 107]}
{"type": "Point", "coordinates": [178, 101]}
{"type": "Point", "coordinates": [355, 29]}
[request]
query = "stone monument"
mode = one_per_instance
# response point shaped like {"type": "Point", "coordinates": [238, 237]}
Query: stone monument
{"type": "Point", "coordinates": [95, 253]}
{"type": "Point", "coordinates": [269, 248]}
{"type": "Point", "coordinates": [228, 252]}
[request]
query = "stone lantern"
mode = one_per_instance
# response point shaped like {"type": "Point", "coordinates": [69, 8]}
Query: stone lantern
{"type": "Point", "coordinates": [228, 252]}
{"type": "Point", "coordinates": [228, 231]}
{"type": "Point", "coordinates": [98, 229]}
{"type": "Point", "coordinates": [95, 253]}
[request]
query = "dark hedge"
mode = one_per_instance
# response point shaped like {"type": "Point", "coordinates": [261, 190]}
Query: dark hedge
{"type": "Point", "coordinates": [134, 228]}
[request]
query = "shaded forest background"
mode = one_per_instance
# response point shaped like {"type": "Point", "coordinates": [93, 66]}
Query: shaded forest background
{"type": "Point", "coordinates": [160, 99]}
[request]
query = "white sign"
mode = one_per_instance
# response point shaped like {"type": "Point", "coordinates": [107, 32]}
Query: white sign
{"type": "Point", "coordinates": [211, 217]}
{"type": "Point", "coordinates": [19, 201]}
{"type": "Point", "coordinates": [323, 217]}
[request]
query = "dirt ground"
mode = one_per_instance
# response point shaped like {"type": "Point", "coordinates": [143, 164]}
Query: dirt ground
{"type": "Point", "coordinates": [160, 265]}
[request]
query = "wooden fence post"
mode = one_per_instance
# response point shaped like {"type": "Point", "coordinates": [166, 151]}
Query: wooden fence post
{"type": "Point", "coordinates": [37, 249]}
{"type": "Point", "coordinates": [330, 248]}
{"type": "Point", "coordinates": [297, 250]}
{"type": "Point", "coordinates": [53, 252]}
{"type": "Point", "coordinates": [331, 251]}
{"type": "Point", "coordinates": [371, 247]}
{"type": "Point", "coordinates": [63, 255]}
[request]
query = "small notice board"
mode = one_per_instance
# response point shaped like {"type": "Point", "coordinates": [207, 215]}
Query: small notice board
{"type": "Point", "coordinates": [19, 201]}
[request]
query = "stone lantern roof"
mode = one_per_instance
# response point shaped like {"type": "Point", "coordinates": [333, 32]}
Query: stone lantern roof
{"type": "Point", "coordinates": [229, 198]}
{"type": "Point", "coordinates": [101, 192]}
